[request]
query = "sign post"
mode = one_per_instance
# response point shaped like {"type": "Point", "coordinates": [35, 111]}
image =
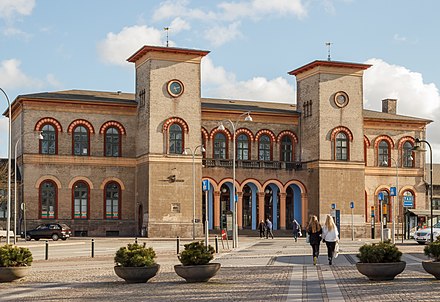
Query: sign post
{"type": "Point", "coordinates": [352, 220]}
{"type": "Point", "coordinates": [372, 223]}
{"type": "Point", "coordinates": [393, 193]}
{"type": "Point", "coordinates": [381, 215]}
{"type": "Point", "coordinates": [205, 187]}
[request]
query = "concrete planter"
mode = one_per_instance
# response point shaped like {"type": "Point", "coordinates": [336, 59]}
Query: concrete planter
{"type": "Point", "coordinates": [8, 274]}
{"type": "Point", "coordinates": [432, 267]}
{"type": "Point", "coordinates": [381, 271]}
{"type": "Point", "coordinates": [197, 273]}
{"type": "Point", "coordinates": [136, 274]}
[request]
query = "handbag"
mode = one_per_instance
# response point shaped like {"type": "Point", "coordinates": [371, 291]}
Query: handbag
{"type": "Point", "coordinates": [336, 253]}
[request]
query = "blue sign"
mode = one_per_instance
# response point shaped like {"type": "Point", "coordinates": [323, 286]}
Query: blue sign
{"type": "Point", "coordinates": [351, 204]}
{"type": "Point", "coordinates": [333, 206]}
{"type": "Point", "coordinates": [380, 195]}
{"type": "Point", "coordinates": [205, 185]}
{"type": "Point", "coordinates": [393, 191]}
{"type": "Point", "coordinates": [408, 201]}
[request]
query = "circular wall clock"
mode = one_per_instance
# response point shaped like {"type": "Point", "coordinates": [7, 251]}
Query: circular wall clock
{"type": "Point", "coordinates": [341, 99]}
{"type": "Point", "coordinates": [175, 88]}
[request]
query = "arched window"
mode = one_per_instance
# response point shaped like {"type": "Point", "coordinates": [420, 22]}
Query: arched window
{"type": "Point", "coordinates": [220, 146]}
{"type": "Point", "coordinates": [383, 154]}
{"type": "Point", "coordinates": [341, 146]}
{"type": "Point", "coordinates": [48, 145]}
{"type": "Point", "coordinates": [264, 152]}
{"type": "Point", "coordinates": [242, 147]}
{"type": "Point", "coordinates": [176, 139]}
{"type": "Point", "coordinates": [48, 200]}
{"type": "Point", "coordinates": [80, 141]}
{"type": "Point", "coordinates": [112, 142]}
{"type": "Point", "coordinates": [80, 200]}
{"type": "Point", "coordinates": [407, 159]}
{"type": "Point", "coordinates": [286, 149]}
{"type": "Point", "coordinates": [112, 200]}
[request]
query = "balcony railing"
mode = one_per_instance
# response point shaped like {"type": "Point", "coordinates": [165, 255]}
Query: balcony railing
{"type": "Point", "coordinates": [251, 164]}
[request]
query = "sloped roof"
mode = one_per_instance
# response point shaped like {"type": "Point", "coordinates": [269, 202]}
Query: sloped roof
{"type": "Point", "coordinates": [388, 116]}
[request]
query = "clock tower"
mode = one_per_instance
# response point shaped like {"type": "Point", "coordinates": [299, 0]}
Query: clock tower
{"type": "Point", "coordinates": [168, 124]}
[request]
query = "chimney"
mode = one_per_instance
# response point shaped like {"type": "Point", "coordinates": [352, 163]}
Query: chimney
{"type": "Point", "coordinates": [389, 106]}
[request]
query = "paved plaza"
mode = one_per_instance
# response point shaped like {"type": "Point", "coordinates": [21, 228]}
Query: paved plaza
{"type": "Point", "coordinates": [258, 270]}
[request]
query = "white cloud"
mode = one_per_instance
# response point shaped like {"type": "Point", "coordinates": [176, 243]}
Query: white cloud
{"type": "Point", "coordinates": [117, 48]}
{"type": "Point", "coordinates": [15, 32]}
{"type": "Point", "coordinates": [220, 35]}
{"type": "Point", "coordinates": [11, 76]}
{"type": "Point", "coordinates": [257, 9]}
{"type": "Point", "coordinates": [414, 97]}
{"type": "Point", "coordinates": [178, 24]}
{"type": "Point", "coordinates": [218, 83]}
{"type": "Point", "coordinates": [179, 8]}
{"type": "Point", "coordinates": [11, 8]}
{"type": "Point", "coordinates": [399, 38]}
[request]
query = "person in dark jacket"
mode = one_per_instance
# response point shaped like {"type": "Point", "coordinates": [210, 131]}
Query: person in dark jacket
{"type": "Point", "coordinates": [262, 228]}
{"type": "Point", "coordinates": [314, 231]}
{"type": "Point", "coordinates": [296, 230]}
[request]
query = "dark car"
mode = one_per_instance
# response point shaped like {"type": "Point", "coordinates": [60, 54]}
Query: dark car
{"type": "Point", "coordinates": [49, 230]}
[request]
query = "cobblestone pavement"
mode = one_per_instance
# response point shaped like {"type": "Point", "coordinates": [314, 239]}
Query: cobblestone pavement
{"type": "Point", "coordinates": [260, 270]}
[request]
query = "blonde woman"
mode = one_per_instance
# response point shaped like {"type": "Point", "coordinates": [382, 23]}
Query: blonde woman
{"type": "Point", "coordinates": [314, 230]}
{"type": "Point", "coordinates": [330, 236]}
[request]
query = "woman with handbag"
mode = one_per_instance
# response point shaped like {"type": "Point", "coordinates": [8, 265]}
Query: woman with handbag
{"type": "Point", "coordinates": [330, 236]}
{"type": "Point", "coordinates": [314, 231]}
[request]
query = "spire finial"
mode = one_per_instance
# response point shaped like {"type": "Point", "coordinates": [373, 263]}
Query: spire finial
{"type": "Point", "coordinates": [328, 44]}
{"type": "Point", "coordinates": [167, 29]}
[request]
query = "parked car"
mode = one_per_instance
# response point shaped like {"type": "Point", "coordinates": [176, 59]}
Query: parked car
{"type": "Point", "coordinates": [49, 230]}
{"type": "Point", "coordinates": [423, 236]}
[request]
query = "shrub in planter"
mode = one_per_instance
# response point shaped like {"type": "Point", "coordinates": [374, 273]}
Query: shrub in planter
{"type": "Point", "coordinates": [432, 250]}
{"type": "Point", "coordinates": [195, 265]}
{"type": "Point", "coordinates": [15, 262]}
{"type": "Point", "coordinates": [135, 263]}
{"type": "Point", "coordinates": [380, 261]}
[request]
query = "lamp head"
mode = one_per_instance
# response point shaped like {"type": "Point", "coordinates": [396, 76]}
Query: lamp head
{"type": "Point", "coordinates": [248, 118]}
{"type": "Point", "coordinates": [221, 127]}
{"type": "Point", "coordinates": [203, 149]}
{"type": "Point", "coordinates": [40, 135]}
{"type": "Point", "coordinates": [417, 148]}
{"type": "Point", "coordinates": [184, 152]}
{"type": "Point", "coordinates": [385, 163]}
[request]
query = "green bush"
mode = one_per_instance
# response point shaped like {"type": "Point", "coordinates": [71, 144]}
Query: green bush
{"type": "Point", "coordinates": [432, 250]}
{"type": "Point", "coordinates": [382, 252]}
{"type": "Point", "coordinates": [12, 256]}
{"type": "Point", "coordinates": [196, 253]}
{"type": "Point", "coordinates": [135, 255]}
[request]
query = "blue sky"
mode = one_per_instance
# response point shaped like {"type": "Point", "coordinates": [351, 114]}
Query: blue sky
{"type": "Point", "coordinates": [57, 45]}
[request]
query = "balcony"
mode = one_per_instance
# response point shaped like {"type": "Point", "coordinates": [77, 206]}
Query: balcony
{"type": "Point", "coordinates": [251, 164]}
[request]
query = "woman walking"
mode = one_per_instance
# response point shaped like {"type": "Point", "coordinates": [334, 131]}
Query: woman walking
{"type": "Point", "coordinates": [330, 236]}
{"type": "Point", "coordinates": [314, 231]}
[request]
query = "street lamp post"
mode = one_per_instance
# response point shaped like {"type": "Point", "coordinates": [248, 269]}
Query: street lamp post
{"type": "Point", "coordinates": [248, 118]}
{"type": "Point", "coordinates": [395, 199]}
{"type": "Point", "coordinates": [193, 154]}
{"type": "Point", "coordinates": [16, 190]}
{"type": "Point", "coordinates": [8, 211]}
{"type": "Point", "coordinates": [417, 148]}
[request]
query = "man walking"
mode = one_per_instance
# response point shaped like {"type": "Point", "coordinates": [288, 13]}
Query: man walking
{"type": "Point", "coordinates": [269, 228]}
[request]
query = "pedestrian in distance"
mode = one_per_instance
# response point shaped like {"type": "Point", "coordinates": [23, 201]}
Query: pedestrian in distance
{"type": "Point", "coordinates": [314, 231]}
{"type": "Point", "coordinates": [262, 228]}
{"type": "Point", "coordinates": [269, 228]}
{"type": "Point", "coordinates": [296, 230]}
{"type": "Point", "coordinates": [330, 236]}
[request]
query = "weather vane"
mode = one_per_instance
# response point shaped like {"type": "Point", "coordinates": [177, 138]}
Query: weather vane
{"type": "Point", "coordinates": [328, 44]}
{"type": "Point", "coordinates": [167, 30]}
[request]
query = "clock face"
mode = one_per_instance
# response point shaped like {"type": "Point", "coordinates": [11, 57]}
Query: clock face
{"type": "Point", "coordinates": [175, 88]}
{"type": "Point", "coordinates": [341, 99]}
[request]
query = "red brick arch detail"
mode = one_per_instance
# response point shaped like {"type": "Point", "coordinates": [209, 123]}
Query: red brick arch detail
{"type": "Point", "coordinates": [112, 124]}
{"type": "Point", "coordinates": [336, 130]}
{"type": "Point", "coordinates": [406, 139]}
{"type": "Point", "coordinates": [48, 120]}
{"type": "Point", "coordinates": [245, 131]}
{"type": "Point", "coordinates": [289, 133]}
{"type": "Point", "coordinates": [367, 141]}
{"type": "Point", "coordinates": [267, 132]}
{"type": "Point", "coordinates": [216, 130]}
{"type": "Point", "coordinates": [78, 122]}
{"type": "Point", "coordinates": [205, 133]}
{"type": "Point", "coordinates": [175, 120]}
{"type": "Point", "coordinates": [381, 138]}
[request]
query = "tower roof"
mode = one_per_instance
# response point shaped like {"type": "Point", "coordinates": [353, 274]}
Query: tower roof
{"type": "Point", "coordinates": [146, 48]}
{"type": "Point", "coordinates": [319, 63]}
